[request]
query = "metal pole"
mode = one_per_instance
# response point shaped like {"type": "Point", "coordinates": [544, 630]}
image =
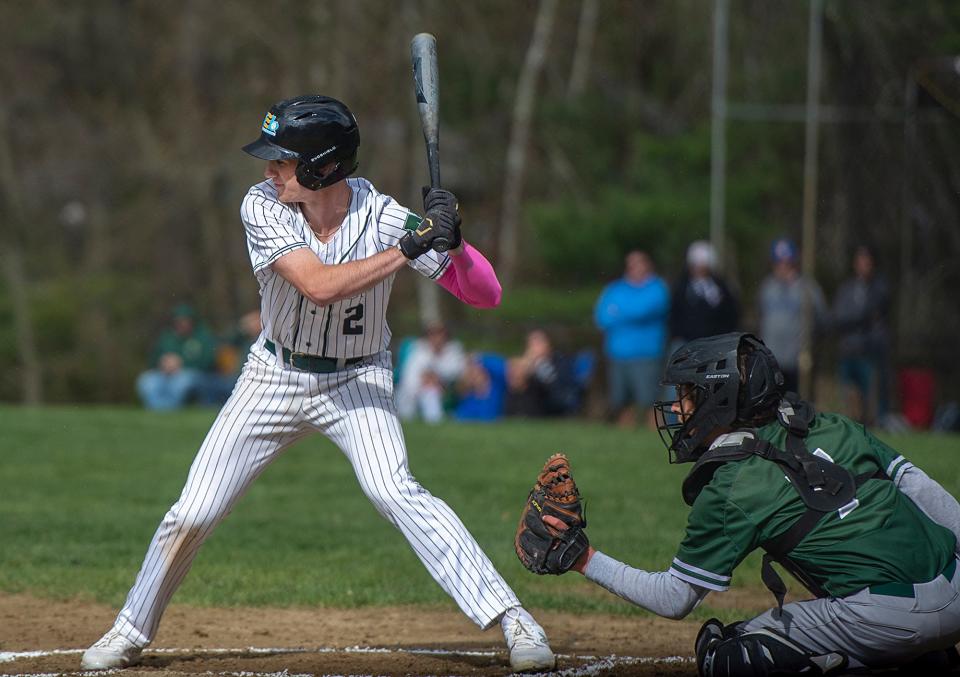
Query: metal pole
{"type": "Point", "coordinates": [904, 333]}
{"type": "Point", "coordinates": [810, 189]}
{"type": "Point", "coordinates": [718, 127]}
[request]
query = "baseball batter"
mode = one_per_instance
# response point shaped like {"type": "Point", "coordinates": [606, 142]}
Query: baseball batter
{"type": "Point", "coordinates": [325, 250]}
{"type": "Point", "coordinates": [866, 531]}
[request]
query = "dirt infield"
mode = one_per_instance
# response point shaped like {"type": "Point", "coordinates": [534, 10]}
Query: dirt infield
{"type": "Point", "coordinates": [372, 641]}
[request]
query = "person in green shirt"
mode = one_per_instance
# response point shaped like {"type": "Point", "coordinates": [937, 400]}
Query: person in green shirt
{"type": "Point", "coordinates": [870, 535]}
{"type": "Point", "coordinates": [181, 363]}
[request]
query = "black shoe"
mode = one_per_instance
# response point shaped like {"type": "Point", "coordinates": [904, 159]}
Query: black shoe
{"type": "Point", "coordinates": [710, 634]}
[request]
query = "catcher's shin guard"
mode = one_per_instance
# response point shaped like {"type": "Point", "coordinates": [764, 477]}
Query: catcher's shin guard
{"type": "Point", "coordinates": [722, 652]}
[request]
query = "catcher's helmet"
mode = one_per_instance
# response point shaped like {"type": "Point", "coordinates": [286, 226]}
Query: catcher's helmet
{"type": "Point", "coordinates": [735, 381]}
{"type": "Point", "coordinates": [315, 130]}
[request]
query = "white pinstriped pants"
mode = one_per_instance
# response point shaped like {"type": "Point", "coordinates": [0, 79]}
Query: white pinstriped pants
{"type": "Point", "coordinates": [271, 408]}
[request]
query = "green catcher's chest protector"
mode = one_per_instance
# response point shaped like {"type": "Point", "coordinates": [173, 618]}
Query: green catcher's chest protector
{"type": "Point", "coordinates": [823, 486]}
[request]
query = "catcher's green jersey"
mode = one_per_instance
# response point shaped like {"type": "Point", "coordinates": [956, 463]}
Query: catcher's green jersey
{"type": "Point", "coordinates": [880, 537]}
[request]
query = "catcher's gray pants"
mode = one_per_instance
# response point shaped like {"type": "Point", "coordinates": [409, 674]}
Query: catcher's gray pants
{"type": "Point", "coordinates": [272, 407]}
{"type": "Point", "coordinates": [874, 630]}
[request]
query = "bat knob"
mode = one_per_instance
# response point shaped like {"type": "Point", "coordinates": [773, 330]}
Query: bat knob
{"type": "Point", "coordinates": [441, 244]}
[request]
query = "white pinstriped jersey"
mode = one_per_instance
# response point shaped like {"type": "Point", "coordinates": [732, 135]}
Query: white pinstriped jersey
{"type": "Point", "coordinates": [352, 327]}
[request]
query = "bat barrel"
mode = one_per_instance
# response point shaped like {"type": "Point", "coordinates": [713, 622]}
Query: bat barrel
{"type": "Point", "coordinates": [426, 77]}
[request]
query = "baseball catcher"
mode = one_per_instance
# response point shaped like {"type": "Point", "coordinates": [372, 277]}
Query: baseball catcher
{"type": "Point", "coordinates": [869, 534]}
{"type": "Point", "coordinates": [544, 547]}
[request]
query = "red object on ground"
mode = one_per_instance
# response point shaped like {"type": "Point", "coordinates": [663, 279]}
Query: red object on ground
{"type": "Point", "coordinates": [917, 388]}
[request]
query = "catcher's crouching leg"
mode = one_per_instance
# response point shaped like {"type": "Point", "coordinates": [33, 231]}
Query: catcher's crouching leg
{"type": "Point", "coordinates": [723, 652]}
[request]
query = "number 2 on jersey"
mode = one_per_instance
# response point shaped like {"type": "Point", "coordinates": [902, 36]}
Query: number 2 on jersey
{"type": "Point", "coordinates": [352, 322]}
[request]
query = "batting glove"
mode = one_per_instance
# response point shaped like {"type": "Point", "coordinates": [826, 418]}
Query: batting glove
{"type": "Point", "coordinates": [440, 231]}
{"type": "Point", "coordinates": [447, 207]}
{"type": "Point", "coordinates": [438, 197]}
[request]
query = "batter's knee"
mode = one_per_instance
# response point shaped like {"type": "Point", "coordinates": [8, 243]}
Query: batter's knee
{"type": "Point", "coordinates": [394, 498]}
{"type": "Point", "coordinates": [193, 520]}
{"type": "Point", "coordinates": [724, 652]}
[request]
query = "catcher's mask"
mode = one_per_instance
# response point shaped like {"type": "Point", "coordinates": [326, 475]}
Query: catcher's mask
{"type": "Point", "coordinates": [315, 130]}
{"type": "Point", "coordinates": [730, 380]}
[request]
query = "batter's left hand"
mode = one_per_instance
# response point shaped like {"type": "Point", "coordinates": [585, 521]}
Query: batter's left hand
{"type": "Point", "coordinates": [439, 230]}
{"type": "Point", "coordinates": [442, 207]}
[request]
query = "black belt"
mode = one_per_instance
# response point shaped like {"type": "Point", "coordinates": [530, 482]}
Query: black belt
{"type": "Point", "coordinates": [312, 363]}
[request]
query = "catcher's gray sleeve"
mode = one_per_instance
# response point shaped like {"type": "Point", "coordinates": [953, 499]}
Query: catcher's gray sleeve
{"type": "Point", "coordinates": [935, 501]}
{"type": "Point", "coordinates": [661, 592]}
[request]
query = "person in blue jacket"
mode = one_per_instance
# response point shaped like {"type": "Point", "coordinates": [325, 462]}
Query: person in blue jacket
{"type": "Point", "coordinates": [482, 388]}
{"type": "Point", "coordinates": [632, 312]}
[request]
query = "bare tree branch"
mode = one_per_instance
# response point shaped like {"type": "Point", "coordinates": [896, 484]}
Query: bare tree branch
{"type": "Point", "coordinates": [519, 138]}
{"type": "Point", "coordinates": [586, 31]}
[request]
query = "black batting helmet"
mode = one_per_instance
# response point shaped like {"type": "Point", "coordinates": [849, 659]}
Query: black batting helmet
{"type": "Point", "coordinates": [735, 381]}
{"type": "Point", "coordinates": [315, 130]}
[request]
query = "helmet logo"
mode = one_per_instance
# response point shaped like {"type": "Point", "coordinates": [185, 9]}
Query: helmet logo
{"type": "Point", "coordinates": [320, 156]}
{"type": "Point", "coordinates": [270, 124]}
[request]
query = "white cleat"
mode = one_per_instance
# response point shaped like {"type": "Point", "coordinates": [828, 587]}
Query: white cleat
{"type": "Point", "coordinates": [526, 641]}
{"type": "Point", "coordinates": [110, 651]}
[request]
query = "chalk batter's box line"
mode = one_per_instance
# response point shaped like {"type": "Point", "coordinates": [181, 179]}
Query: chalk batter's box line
{"type": "Point", "coordinates": [600, 665]}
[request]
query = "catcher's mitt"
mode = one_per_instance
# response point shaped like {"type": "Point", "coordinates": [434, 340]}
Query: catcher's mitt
{"type": "Point", "coordinates": [544, 549]}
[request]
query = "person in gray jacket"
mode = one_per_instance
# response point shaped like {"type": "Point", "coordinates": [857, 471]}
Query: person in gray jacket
{"type": "Point", "coordinates": [780, 303]}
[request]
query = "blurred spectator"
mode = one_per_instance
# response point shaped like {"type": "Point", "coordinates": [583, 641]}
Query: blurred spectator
{"type": "Point", "coordinates": [231, 356]}
{"type": "Point", "coordinates": [482, 388]}
{"type": "Point", "coordinates": [632, 313]}
{"type": "Point", "coordinates": [433, 365]}
{"type": "Point", "coordinates": [860, 311]}
{"type": "Point", "coordinates": [780, 303]}
{"type": "Point", "coordinates": [236, 344]}
{"type": "Point", "coordinates": [541, 381]}
{"type": "Point", "coordinates": [182, 361]}
{"type": "Point", "coordinates": [400, 354]}
{"type": "Point", "coordinates": [946, 418]}
{"type": "Point", "coordinates": [701, 303]}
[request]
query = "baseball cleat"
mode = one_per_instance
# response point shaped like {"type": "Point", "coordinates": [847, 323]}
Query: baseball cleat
{"type": "Point", "coordinates": [526, 641]}
{"type": "Point", "coordinates": [110, 651]}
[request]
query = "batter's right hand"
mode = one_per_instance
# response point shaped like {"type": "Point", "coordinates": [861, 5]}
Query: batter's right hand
{"type": "Point", "coordinates": [447, 207]}
{"type": "Point", "coordinates": [438, 197]}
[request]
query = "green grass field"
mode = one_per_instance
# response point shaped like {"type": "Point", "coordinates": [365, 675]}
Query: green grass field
{"type": "Point", "coordinates": [82, 490]}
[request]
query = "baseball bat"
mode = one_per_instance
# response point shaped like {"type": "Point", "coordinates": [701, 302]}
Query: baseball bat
{"type": "Point", "coordinates": [426, 82]}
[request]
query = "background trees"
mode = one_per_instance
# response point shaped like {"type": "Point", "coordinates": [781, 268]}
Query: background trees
{"type": "Point", "coordinates": [121, 176]}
